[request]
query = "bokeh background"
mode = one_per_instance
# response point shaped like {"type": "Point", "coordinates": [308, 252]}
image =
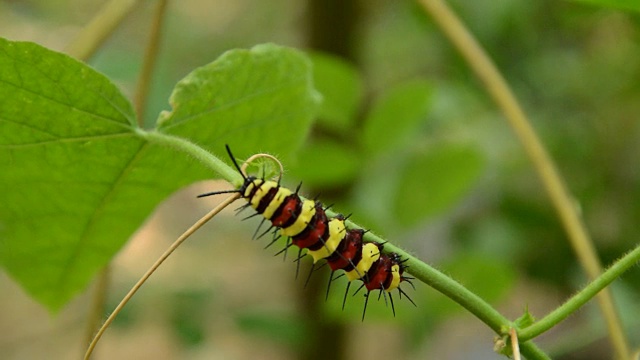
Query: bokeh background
{"type": "Point", "coordinates": [576, 70]}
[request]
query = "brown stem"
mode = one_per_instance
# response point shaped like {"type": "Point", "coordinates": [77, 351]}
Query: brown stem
{"type": "Point", "coordinates": [154, 267]}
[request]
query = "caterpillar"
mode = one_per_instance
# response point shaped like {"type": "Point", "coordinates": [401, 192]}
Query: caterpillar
{"type": "Point", "coordinates": [306, 225]}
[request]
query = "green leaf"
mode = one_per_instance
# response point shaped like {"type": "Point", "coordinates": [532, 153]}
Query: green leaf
{"type": "Point", "coordinates": [79, 178]}
{"type": "Point", "coordinates": [259, 99]}
{"type": "Point", "coordinates": [67, 146]}
{"type": "Point", "coordinates": [341, 87]}
{"type": "Point", "coordinates": [433, 181]}
{"type": "Point", "coordinates": [526, 319]}
{"type": "Point", "coordinates": [632, 5]}
{"type": "Point", "coordinates": [396, 116]}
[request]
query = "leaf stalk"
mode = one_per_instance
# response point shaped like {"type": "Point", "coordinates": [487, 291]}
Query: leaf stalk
{"type": "Point", "coordinates": [209, 160]}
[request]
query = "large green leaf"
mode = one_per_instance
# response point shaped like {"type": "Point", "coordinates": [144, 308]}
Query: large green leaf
{"type": "Point", "coordinates": [78, 177]}
{"type": "Point", "coordinates": [259, 99]}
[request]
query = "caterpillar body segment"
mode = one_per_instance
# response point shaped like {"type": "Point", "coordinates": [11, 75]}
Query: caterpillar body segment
{"type": "Point", "coordinates": [307, 225]}
{"type": "Point", "coordinates": [369, 254]}
{"type": "Point", "coordinates": [329, 245]}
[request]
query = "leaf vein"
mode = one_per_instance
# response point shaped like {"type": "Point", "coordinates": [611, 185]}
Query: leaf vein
{"type": "Point", "coordinates": [97, 214]}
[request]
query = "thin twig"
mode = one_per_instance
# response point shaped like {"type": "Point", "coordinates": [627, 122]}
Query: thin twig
{"type": "Point", "coordinates": [564, 204]}
{"type": "Point", "coordinates": [153, 268]}
{"type": "Point", "coordinates": [515, 347]}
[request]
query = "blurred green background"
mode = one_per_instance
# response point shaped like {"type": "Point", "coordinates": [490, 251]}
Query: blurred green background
{"type": "Point", "coordinates": [409, 142]}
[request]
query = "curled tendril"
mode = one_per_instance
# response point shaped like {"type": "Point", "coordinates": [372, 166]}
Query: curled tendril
{"type": "Point", "coordinates": [258, 156]}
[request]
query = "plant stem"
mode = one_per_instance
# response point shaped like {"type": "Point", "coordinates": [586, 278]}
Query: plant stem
{"type": "Point", "coordinates": [450, 288]}
{"type": "Point", "coordinates": [531, 351]}
{"type": "Point", "coordinates": [100, 27]}
{"type": "Point", "coordinates": [209, 160]}
{"type": "Point", "coordinates": [197, 225]}
{"type": "Point", "coordinates": [579, 299]}
{"type": "Point", "coordinates": [419, 269]}
{"type": "Point", "coordinates": [149, 61]}
{"type": "Point", "coordinates": [565, 205]}
{"type": "Point", "coordinates": [456, 292]}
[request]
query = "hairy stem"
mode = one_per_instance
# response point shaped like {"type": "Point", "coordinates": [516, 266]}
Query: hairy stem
{"type": "Point", "coordinates": [579, 299]}
{"type": "Point", "coordinates": [531, 351]}
{"type": "Point", "coordinates": [564, 204]}
{"type": "Point", "coordinates": [423, 272]}
{"type": "Point", "coordinates": [450, 288]}
{"type": "Point", "coordinates": [419, 269]}
{"type": "Point", "coordinates": [456, 292]}
{"type": "Point", "coordinates": [209, 160]}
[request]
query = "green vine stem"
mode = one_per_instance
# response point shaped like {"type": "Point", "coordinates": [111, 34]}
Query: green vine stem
{"type": "Point", "coordinates": [531, 351]}
{"type": "Point", "coordinates": [422, 271]}
{"type": "Point", "coordinates": [206, 158]}
{"type": "Point", "coordinates": [564, 204]}
{"type": "Point", "coordinates": [429, 275]}
{"type": "Point", "coordinates": [458, 293]}
{"type": "Point", "coordinates": [446, 285]}
{"type": "Point", "coordinates": [419, 269]}
{"type": "Point", "coordinates": [579, 299]}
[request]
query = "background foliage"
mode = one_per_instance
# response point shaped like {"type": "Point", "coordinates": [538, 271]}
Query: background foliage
{"type": "Point", "coordinates": [407, 140]}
